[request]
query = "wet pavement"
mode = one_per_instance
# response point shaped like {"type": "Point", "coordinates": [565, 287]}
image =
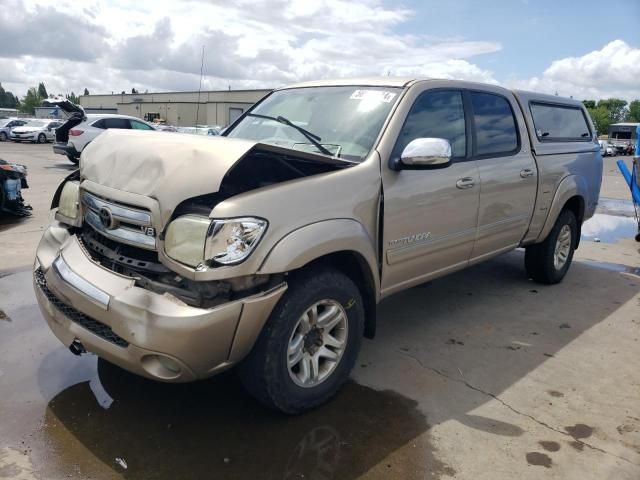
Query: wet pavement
{"type": "Point", "coordinates": [423, 393]}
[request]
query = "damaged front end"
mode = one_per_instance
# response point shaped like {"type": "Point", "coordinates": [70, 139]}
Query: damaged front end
{"type": "Point", "coordinates": [13, 178]}
{"type": "Point", "coordinates": [166, 244]}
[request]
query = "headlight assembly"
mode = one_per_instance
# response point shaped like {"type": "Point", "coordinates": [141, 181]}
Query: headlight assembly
{"type": "Point", "coordinates": [69, 204]}
{"type": "Point", "coordinates": [194, 240]}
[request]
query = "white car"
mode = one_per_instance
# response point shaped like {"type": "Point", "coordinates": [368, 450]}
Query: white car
{"type": "Point", "coordinates": [212, 130]}
{"type": "Point", "coordinates": [606, 149]}
{"type": "Point", "coordinates": [41, 131]}
{"type": "Point", "coordinates": [80, 128]}
{"type": "Point", "coordinates": [80, 135]}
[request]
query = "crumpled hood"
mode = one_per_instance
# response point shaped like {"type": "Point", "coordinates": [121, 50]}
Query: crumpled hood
{"type": "Point", "coordinates": [169, 167]}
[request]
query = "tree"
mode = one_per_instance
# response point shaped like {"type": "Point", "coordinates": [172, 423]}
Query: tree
{"type": "Point", "coordinates": [73, 98]}
{"type": "Point", "coordinates": [601, 119]}
{"type": "Point", "coordinates": [133, 90]}
{"type": "Point", "coordinates": [589, 103]}
{"type": "Point", "coordinates": [7, 99]}
{"type": "Point", "coordinates": [31, 100]}
{"type": "Point", "coordinates": [42, 91]}
{"type": "Point", "coordinates": [634, 111]}
{"type": "Point", "coordinates": [616, 107]}
{"type": "Point", "coordinates": [86, 92]}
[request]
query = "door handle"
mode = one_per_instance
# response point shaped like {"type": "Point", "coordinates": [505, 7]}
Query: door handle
{"type": "Point", "coordinates": [527, 172]}
{"type": "Point", "coordinates": [465, 182]}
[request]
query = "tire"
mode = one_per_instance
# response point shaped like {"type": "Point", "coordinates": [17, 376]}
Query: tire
{"type": "Point", "coordinates": [266, 373]}
{"type": "Point", "coordinates": [540, 260]}
{"type": "Point", "coordinates": [42, 138]}
{"type": "Point", "coordinates": [3, 137]}
{"type": "Point", "coordinates": [73, 159]}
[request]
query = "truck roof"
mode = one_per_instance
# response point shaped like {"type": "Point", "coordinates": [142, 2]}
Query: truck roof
{"type": "Point", "coordinates": [406, 81]}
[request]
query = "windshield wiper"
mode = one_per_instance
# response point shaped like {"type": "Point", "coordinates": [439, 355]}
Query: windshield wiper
{"type": "Point", "coordinates": [312, 137]}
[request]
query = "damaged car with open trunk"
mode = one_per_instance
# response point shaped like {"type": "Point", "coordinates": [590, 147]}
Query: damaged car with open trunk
{"type": "Point", "coordinates": [268, 247]}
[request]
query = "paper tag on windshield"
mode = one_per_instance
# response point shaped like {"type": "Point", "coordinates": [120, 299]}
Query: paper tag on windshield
{"type": "Point", "coordinates": [373, 95]}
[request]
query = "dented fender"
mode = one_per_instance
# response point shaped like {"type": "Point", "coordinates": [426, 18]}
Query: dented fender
{"type": "Point", "coordinates": [316, 240]}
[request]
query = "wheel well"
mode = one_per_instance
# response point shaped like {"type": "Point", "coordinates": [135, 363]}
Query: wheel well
{"type": "Point", "coordinates": [354, 266]}
{"type": "Point", "coordinates": [576, 205]}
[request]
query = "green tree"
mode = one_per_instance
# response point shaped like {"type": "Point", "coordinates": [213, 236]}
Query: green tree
{"type": "Point", "coordinates": [133, 90]}
{"type": "Point", "coordinates": [86, 92]}
{"type": "Point", "coordinates": [616, 107]}
{"type": "Point", "coordinates": [634, 111]}
{"type": "Point", "coordinates": [7, 99]}
{"type": "Point", "coordinates": [73, 98]}
{"type": "Point", "coordinates": [601, 119]}
{"type": "Point", "coordinates": [31, 100]}
{"type": "Point", "coordinates": [589, 103]}
{"type": "Point", "coordinates": [42, 91]}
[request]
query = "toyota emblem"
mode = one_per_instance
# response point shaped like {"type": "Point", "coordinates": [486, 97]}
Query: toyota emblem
{"type": "Point", "coordinates": [106, 218]}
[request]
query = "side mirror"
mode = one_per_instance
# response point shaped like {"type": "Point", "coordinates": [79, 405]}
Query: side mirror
{"type": "Point", "coordinates": [425, 153]}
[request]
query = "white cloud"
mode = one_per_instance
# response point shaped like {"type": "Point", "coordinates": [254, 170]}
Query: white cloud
{"type": "Point", "coordinates": [156, 45]}
{"type": "Point", "coordinates": [613, 71]}
{"type": "Point", "coordinates": [115, 45]}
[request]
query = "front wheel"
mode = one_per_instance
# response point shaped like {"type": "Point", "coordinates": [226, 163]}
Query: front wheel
{"type": "Point", "coordinates": [42, 138]}
{"type": "Point", "coordinates": [549, 261]}
{"type": "Point", "coordinates": [309, 344]}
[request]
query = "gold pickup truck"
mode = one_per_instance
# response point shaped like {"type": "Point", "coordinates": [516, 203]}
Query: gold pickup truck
{"type": "Point", "coordinates": [179, 256]}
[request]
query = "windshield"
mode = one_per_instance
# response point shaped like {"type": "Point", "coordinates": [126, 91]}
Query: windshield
{"type": "Point", "coordinates": [343, 121]}
{"type": "Point", "coordinates": [36, 123]}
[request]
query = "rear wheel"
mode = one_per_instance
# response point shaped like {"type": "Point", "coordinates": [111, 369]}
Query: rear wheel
{"type": "Point", "coordinates": [309, 344]}
{"type": "Point", "coordinates": [549, 261]}
{"type": "Point", "coordinates": [73, 159]}
{"type": "Point", "coordinates": [42, 138]}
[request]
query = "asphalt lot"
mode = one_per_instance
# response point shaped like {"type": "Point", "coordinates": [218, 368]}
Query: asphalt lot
{"type": "Point", "coordinates": [480, 375]}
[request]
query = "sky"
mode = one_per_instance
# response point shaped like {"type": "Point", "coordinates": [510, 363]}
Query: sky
{"type": "Point", "coordinates": [580, 48]}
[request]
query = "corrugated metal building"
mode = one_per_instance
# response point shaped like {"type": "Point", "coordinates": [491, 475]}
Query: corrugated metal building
{"type": "Point", "coordinates": [178, 108]}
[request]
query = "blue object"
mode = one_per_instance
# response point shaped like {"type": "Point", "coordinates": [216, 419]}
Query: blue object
{"type": "Point", "coordinates": [631, 181]}
{"type": "Point", "coordinates": [12, 188]}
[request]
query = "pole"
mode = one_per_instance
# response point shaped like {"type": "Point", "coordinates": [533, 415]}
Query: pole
{"type": "Point", "coordinates": [200, 86]}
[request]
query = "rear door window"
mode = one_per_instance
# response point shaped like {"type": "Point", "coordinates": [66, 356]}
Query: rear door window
{"type": "Point", "coordinates": [98, 123]}
{"type": "Point", "coordinates": [560, 123]}
{"type": "Point", "coordinates": [436, 114]}
{"type": "Point", "coordinates": [116, 123]}
{"type": "Point", "coordinates": [496, 130]}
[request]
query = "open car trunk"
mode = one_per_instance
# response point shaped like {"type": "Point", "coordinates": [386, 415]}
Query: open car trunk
{"type": "Point", "coordinates": [75, 114]}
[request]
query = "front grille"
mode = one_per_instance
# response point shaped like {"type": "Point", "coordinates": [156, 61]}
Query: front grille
{"type": "Point", "coordinates": [94, 326]}
{"type": "Point", "coordinates": [119, 222]}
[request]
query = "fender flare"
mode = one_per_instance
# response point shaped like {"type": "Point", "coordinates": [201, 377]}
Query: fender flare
{"type": "Point", "coordinates": [317, 240]}
{"type": "Point", "coordinates": [570, 186]}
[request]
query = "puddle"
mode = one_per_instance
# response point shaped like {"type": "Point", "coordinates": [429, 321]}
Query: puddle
{"type": "Point", "coordinates": [613, 267]}
{"type": "Point", "coordinates": [213, 429]}
{"type": "Point", "coordinates": [609, 228]}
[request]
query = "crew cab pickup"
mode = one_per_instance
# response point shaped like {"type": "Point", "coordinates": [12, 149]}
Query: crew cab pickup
{"type": "Point", "coordinates": [177, 257]}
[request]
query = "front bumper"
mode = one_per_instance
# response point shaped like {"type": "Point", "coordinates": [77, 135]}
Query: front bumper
{"type": "Point", "coordinates": [27, 137]}
{"type": "Point", "coordinates": [146, 333]}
